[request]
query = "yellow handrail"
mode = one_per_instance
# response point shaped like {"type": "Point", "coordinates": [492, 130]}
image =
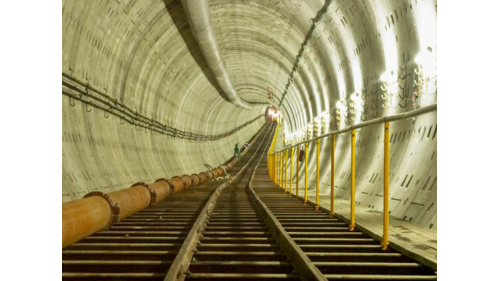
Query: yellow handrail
{"type": "Point", "coordinates": [353, 180]}
{"type": "Point", "coordinates": [317, 174]}
{"type": "Point", "coordinates": [291, 171]}
{"type": "Point", "coordinates": [385, 238]}
{"type": "Point", "coordinates": [305, 175]}
{"type": "Point", "coordinates": [297, 180]}
{"type": "Point", "coordinates": [286, 164]}
{"type": "Point", "coordinates": [332, 172]}
{"type": "Point", "coordinates": [271, 157]}
{"type": "Point", "coordinates": [352, 129]}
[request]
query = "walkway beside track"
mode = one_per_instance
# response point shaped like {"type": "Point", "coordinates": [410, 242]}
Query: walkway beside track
{"type": "Point", "coordinates": [413, 240]}
{"type": "Point", "coordinates": [243, 228]}
{"type": "Point", "coordinates": [337, 252]}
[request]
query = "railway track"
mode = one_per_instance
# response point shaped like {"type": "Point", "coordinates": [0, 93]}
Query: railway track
{"type": "Point", "coordinates": [239, 229]}
{"type": "Point", "coordinates": [337, 252]}
{"type": "Point", "coordinates": [144, 245]}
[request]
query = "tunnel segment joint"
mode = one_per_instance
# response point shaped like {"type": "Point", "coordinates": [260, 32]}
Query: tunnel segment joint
{"type": "Point", "coordinates": [115, 208]}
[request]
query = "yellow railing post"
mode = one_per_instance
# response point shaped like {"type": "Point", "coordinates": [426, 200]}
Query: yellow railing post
{"type": "Point", "coordinates": [305, 194]}
{"type": "Point", "coordinates": [297, 180]}
{"type": "Point", "coordinates": [353, 179]}
{"type": "Point", "coordinates": [271, 156]}
{"type": "Point", "coordinates": [317, 173]}
{"type": "Point", "coordinates": [276, 168]}
{"type": "Point", "coordinates": [280, 170]}
{"type": "Point", "coordinates": [286, 164]}
{"type": "Point", "coordinates": [291, 170]}
{"type": "Point", "coordinates": [332, 172]}
{"type": "Point", "coordinates": [385, 237]}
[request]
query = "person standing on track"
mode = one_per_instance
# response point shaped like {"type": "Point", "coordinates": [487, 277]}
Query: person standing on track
{"type": "Point", "coordinates": [237, 151]}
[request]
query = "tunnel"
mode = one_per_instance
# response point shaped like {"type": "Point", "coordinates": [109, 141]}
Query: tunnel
{"type": "Point", "coordinates": [338, 96]}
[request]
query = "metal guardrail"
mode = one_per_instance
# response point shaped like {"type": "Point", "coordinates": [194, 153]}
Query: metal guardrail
{"type": "Point", "coordinates": [380, 120]}
{"type": "Point", "coordinates": [279, 174]}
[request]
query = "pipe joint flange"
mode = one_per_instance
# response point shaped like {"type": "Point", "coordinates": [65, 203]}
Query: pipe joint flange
{"type": "Point", "coordinates": [151, 192]}
{"type": "Point", "coordinates": [184, 183]}
{"type": "Point", "coordinates": [162, 179]}
{"type": "Point", "coordinates": [115, 208]}
{"type": "Point", "coordinates": [171, 187]}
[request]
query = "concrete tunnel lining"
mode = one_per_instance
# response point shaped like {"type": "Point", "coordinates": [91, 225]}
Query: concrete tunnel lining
{"type": "Point", "coordinates": [149, 60]}
{"type": "Point", "coordinates": [413, 150]}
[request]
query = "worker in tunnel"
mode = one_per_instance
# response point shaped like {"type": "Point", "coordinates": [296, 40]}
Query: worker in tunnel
{"type": "Point", "coordinates": [237, 151]}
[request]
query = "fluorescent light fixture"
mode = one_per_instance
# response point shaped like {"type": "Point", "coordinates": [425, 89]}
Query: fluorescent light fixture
{"type": "Point", "coordinates": [355, 97]}
{"type": "Point", "coordinates": [419, 59]}
{"type": "Point", "coordinates": [387, 76]}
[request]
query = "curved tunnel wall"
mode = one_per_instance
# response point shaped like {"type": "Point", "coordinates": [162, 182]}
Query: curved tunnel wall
{"type": "Point", "coordinates": [142, 54]}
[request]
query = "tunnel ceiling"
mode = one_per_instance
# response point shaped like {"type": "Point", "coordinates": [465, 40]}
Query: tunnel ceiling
{"type": "Point", "coordinates": [143, 55]}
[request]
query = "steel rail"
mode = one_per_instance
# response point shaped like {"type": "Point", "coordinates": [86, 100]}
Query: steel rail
{"type": "Point", "coordinates": [304, 266]}
{"type": "Point", "coordinates": [183, 259]}
{"type": "Point", "coordinates": [380, 120]}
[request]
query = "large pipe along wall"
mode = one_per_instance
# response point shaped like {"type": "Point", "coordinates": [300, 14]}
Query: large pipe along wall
{"type": "Point", "coordinates": [98, 210]}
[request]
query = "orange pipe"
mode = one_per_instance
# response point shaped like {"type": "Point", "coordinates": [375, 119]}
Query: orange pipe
{"type": "Point", "coordinates": [195, 179]}
{"type": "Point", "coordinates": [131, 199]}
{"type": "Point", "coordinates": [203, 177]}
{"type": "Point", "coordinates": [209, 175]}
{"type": "Point", "coordinates": [81, 218]}
{"type": "Point", "coordinates": [221, 171]}
{"type": "Point", "coordinates": [187, 181]}
{"type": "Point", "coordinates": [177, 183]}
{"type": "Point", "coordinates": [162, 189]}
